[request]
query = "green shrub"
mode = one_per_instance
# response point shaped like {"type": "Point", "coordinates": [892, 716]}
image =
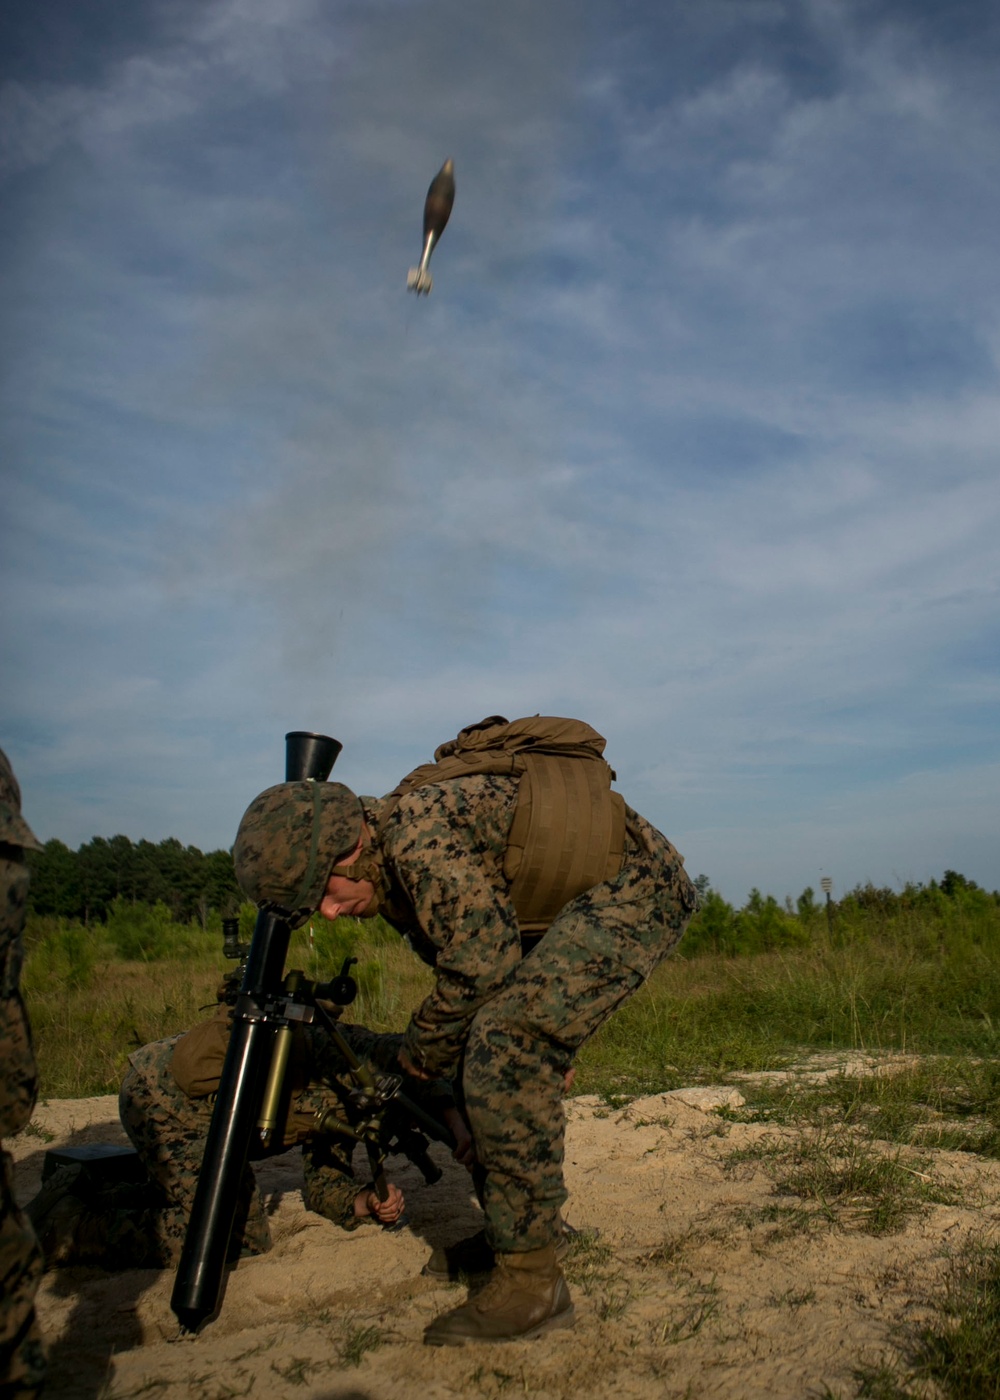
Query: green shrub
{"type": "Point", "coordinates": [61, 954]}
{"type": "Point", "coordinates": [759, 927]}
{"type": "Point", "coordinates": [750, 989]}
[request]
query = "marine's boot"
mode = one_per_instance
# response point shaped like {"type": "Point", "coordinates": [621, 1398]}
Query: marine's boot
{"type": "Point", "coordinates": [474, 1255]}
{"type": "Point", "coordinates": [57, 1214]}
{"type": "Point", "coordinates": [525, 1296]}
{"type": "Point", "coordinates": [63, 1181]}
{"type": "Point", "coordinates": [468, 1257]}
{"type": "Point", "coordinates": [78, 1223]}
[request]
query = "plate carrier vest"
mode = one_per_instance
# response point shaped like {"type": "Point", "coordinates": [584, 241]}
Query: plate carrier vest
{"type": "Point", "coordinates": [568, 831]}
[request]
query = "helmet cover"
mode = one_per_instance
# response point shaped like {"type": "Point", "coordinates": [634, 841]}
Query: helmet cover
{"type": "Point", "coordinates": [291, 837]}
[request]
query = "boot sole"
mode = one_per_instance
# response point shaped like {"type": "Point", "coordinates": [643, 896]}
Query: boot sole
{"type": "Point", "coordinates": [567, 1318]}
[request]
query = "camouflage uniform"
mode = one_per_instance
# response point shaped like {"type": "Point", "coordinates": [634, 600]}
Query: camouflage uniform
{"type": "Point", "coordinates": [169, 1128]}
{"type": "Point", "coordinates": [515, 1022]}
{"type": "Point", "coordinates": [22, 1360]}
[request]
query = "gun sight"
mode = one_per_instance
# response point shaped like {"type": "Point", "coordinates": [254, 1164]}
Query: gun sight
{"type": "Point", "coordinates": [232, 948]}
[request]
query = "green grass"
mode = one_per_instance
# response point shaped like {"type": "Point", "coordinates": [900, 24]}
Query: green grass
{"type": "Point", "coordinates": [942, 1102]}
{"type": "Point", "coordinates": [963, 1354]}
{"type": "Point", "coordinates": [957, 1356]}
{"type": "Point", "coordinates": [90, 1008]}
{"type": "Point", "coordinates": [83, 1036]}
{"type": "Point", "coordinates": [847, 1179]}
{"type": "Point", "coordinates": [703, 1018]}
{"type": "Point", "coordinates": [589, 1259]}
{"type": "Point", "coordinates": [924, 981]}
{"type": "Point", "coordinates": [358, 1341]}
{"type": "Point", "coordinates": [852, 1182]}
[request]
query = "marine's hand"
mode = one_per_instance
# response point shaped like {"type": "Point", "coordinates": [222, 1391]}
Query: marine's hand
{"type": "Point", "coordinates": [386, 1212]}
{"type": "Point", "coordinates": [464, 1151]}
{"type": "Point", "coordinates": [408, 1067]}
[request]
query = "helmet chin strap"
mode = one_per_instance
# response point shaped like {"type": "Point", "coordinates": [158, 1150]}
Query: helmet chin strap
{"type": "Point", "coordinates": [368, 866]}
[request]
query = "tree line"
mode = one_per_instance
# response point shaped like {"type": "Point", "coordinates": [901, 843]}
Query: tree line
{"type": "Point", "coordinates": [950, 906]}
{"type": "Point", "coordinates": [84, 884]}
{"type": "Point", "coordinates": [99, 881]}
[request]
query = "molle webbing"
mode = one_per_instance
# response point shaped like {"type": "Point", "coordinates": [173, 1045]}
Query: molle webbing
{"type": "Point", "coordinates": [567, 835]}
{"type": "Point", "coordinates": [568, 832]}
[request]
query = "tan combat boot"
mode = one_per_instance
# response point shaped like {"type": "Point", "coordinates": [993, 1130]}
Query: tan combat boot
{"type": "Point", "coordinates": [60, 1216]}
{"type": "Point", "coordinates": [454, 1261]}
{"type": "Point", "coordinates": [525, 1296]}
{"type": "Point", "coordinates": [474, 1255]}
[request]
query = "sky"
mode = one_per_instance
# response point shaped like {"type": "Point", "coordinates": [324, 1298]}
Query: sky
{"type": "Point", "coordinates": [696, 437]}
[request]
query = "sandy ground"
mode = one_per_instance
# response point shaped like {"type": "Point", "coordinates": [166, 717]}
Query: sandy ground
{"type": "Point", "coordinates": [692, 1289]}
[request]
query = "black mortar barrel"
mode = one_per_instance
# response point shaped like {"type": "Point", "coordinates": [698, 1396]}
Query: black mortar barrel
{"type": "Point", "coordinates": [309, 755]}
{"type": "Point", "coordinates": [234, 1120]}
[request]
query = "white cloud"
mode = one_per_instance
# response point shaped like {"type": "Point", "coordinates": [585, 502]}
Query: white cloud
{"type": "Point", "coordinates": [655, 451]}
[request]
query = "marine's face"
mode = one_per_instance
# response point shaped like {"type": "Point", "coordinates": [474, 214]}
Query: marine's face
{"type": "Point", "coordinates": [347, 898]}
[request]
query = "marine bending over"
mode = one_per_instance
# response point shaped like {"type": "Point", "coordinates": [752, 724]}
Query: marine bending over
{"type": "Point", "coordinates": [542, 902]}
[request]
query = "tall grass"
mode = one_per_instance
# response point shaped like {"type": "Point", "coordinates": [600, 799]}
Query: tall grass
{"type": "Point", "coordinates": [95, 994]}
{"type": "Point", "coordinates": [920, 974]}
{"type": "Point", "coordinates": [90, 1007]}
{"type": "Point", "coordinates": [919, 984]}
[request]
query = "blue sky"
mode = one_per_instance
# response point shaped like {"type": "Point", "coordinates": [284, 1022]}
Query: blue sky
{"type": "Point", "coordinates": [695, 438]}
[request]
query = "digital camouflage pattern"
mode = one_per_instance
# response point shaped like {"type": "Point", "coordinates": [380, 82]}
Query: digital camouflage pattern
{"type": "Point", "coordinates": [514, 1023]}
{"type": "Point", "coordinates": [443, 846]}
{"type": "Point", "coordinates": [19, 1083]}
{"type": "Point", "coordinates": [22, 1360]}
{"type": "Point", "coordinates": [22, 1357]}
{"type": "Point", "coordinates": [14, 830]}
{"type": "Point", "coordinates": [169, 1131]}
{"type": "Point", "coordinates": [289, 839]}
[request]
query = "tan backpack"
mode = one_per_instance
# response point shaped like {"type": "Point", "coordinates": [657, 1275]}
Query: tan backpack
{"type": "Point", "coordinates": [568, 832]}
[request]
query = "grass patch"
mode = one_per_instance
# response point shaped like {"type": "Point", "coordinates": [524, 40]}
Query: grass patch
{"type": "Point", "coordinates": [358, 1341]}
{"type": "Point", "coordinates": [881, 1383]}
{"type": "Point", "coordinates": [671, 1253]}
{"type": "Point", "coordinates": [90, 1009]}
{"type": "Point", "coordinates": [295, 1371]}
{"type": "Point", "coordinates": [849, 1181]}
{"type": "Point", "coordinates": [699, 1307]}
{"type": "Point", "coordinates": [588, 1260]}
{"type": "Point", "coordinates": [963, 1356]}
{"type": "Point", "coordinates": [792, 1298]}
{"type": "Point", "coordinates": [958, 1355]}
{"type": "Point", "coordinates": [33, 1129]}
{"type": "Point", "coordinates": [701, 1019]}
{"type": "Point", "coordinates": [767, 1150]}
{"type": "Point", "coordinates": [853, 1183]}
{"type": "Point", "coordinates": [84, 1035]}
{"type": "Point", "coordinates": [940, 1102]}
{"type": "Point", "coordinates": [913, 984]}
{"type": "Point", "coordinates": [786, 1222]}
{"type": "Point", "coordinates": [591, 1266]}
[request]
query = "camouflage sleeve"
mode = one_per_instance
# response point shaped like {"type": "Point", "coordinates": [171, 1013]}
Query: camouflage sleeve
{"type": "Point", "coordinates": [19, 1080]}
{"type": "Point", "coordinates": [381, 1051]}
{"type": "Point", "coordinates": [19, 1084]}
{"type": "Point", "coordinates": [445, 844]}
{"type": "Point", "coordinates": [327, 1062]}
{"type": "Point", "coordinates": [329, 1186]}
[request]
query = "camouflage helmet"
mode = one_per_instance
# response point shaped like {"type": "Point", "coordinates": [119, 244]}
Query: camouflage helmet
{"type": "Point", "coordinates": [290, 838]}
{"type": "Point", "coordinates": [14, 830]}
